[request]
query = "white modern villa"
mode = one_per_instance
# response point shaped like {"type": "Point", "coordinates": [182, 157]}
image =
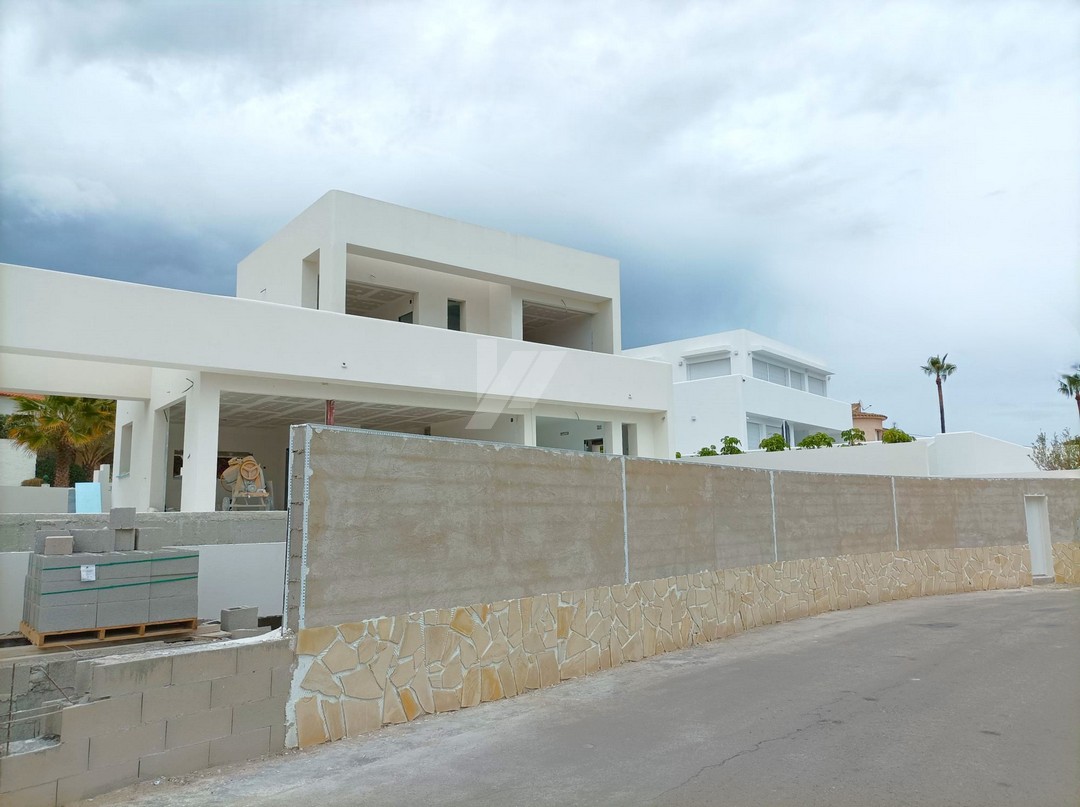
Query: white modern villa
{"type": "Point", "coordinates": [745, 385]}
{"type": "Point", "coordinates": [405, 321]}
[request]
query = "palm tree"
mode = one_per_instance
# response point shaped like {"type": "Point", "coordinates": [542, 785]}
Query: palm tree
{"type": "Point", "coordinates": [940, 369]}
{"type": "Point", "coordinates": [64, 425]}
{"type": "Point", "coordinates": [1070, 385]}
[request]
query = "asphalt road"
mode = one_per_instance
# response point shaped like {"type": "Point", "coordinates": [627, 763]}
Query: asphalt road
{"type": "Point", "coordinates": [962, 700]}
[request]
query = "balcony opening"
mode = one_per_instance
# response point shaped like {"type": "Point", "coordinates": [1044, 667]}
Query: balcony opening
{"type": "Point", "coordinates": [379, 302]}
{"type": "Point", "coordinates": [548, 325]}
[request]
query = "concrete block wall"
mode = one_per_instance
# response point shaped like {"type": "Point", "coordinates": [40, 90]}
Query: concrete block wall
{"type": "Point", "coordinates": [157, 530]}
{"type": "Point", "coordinates": [157, 714]}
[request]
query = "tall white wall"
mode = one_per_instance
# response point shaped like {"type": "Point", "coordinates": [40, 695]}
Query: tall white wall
{"type": "Point", "coordinates": [16, 463]}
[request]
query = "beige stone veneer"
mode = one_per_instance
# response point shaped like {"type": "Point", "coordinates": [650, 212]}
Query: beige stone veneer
{"type": "Point", "coordinates": [354, 677]}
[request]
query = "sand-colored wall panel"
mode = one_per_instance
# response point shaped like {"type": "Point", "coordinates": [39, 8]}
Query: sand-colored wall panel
{"type": "Point", "coordinates": [398, 524]}
{"type": "Point", "coordinates": [822, 515]}
{"type": "Point", "coordinates": [1063, 504]}
{"type": "Point", "coordinates": [960, 512]}
{"type": "Point", "coordinates": [683, 518]}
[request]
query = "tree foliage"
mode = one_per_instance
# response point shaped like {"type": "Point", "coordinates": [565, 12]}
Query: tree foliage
{"type": "Point", "coordinates": [853, 436]}
{"type": "Point", "coordinates": [708, 451]}
{"type": "Point", "coordinates": [940, 370]}
{"type": "Point", "coordinates": [64, 426]}
{"type": "Point", "coordinates": [896, 435]}
{"type": "Point", "coordinates": [816, 440]}
{"type": "Point", "coordinates": [774, 442]}
{"type": "Point", "coordinates": [1069, 385]}
{"type": "Point", "coordinates": [1056, 453]}
{"type": "Point", "coordinates": [731, 445]}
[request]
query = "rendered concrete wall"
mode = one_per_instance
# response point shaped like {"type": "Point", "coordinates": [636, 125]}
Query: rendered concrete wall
{"type": "Point", "coordinates": [172, 529]}
{"type": "Point", "coordinates": [16, 464]}
{"type": "Point", "coordinates": [396, 523]}
{"type": "Point", "coordinates": [19, 499]}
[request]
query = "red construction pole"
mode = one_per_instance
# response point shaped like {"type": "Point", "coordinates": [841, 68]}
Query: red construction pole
{"type": "Point", "coordinates": [329, 413]}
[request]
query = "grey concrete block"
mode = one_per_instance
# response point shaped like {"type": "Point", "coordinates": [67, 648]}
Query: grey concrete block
{"type": "Point", "coordinates": [53, 544]}
{"type": "Point", "coordinates": [88, 719]}
{"type": "Point", "coordinates": [50, 619]}
{"type": "Point", "coordinates": [124, 540]}
{"type": "Point", "coordinates": [175, 761]}
{"type": "Point", "coordinates": [95, 782]}
{"type": "Point", "coordinates": [122, 518]}
{"type": "Point", "coordinates": [121, 565]}
{"type": "Point", "coordinates": [237, 689]}
{"type": "Point", "coordinates": [124, 589]}
{"type": "Point", "coordinates": [247, 633]}
{"type": "Point", "coordinates": [123, 612]}
{"type": "Point", "coordinates": [46, 587]}
{"type": "Point", "coordinates": [263, 655]}
{"type": "Point", "coordinates": [174, 588]}
{"type": "Point", "coordinates": [112, 678]}
{"type": "Point", "coordinates": [174, 562]}
{"type": "Point", "coordinates": [195, 728]}
{"type": "Point", "coordinates": [164, 609]}
{"type": "Point", "coordinates": [43, 795]}
{"type": "Point", "coordinates": [239, 617]}
{"type": "Point", "coordinates": [103, 540]}
{"type": "Point", "coordinates": [248, 716]}
{"type": "Point", "coordinates": [204, 665]}
{"type": "Point", "coordinates": [240, 747]}
{"type": "Point", "coordinates": [87, 596]}
{"type": "Point", "coordinates": [175, 700]}
{"type": "Point", "coordinates": [150, 538]}
{"type": "Point", "coordinates": [34, 768]}
{"type": "Point", "coordinates": [117, 747]}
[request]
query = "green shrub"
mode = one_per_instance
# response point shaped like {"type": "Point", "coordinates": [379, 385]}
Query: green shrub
{"type": "Point", "coordinates": [33, 483]}
{"type": "Point", "coordinates": [895, 435]}
{"type": "Point", "coordinates": [816, 440]}
{"type": "Point", "coordinates": [678, 455]}
{"type": "Point", "coordinates": [853, 436]}
{"type": "Point", "coordinates": [774, 442]}
{"type": "Point", "coordinates": [708, 451]}
{"type": "Point", "coordinates": [731, 445]}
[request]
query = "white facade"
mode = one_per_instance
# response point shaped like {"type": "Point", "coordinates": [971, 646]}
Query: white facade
{"type": "Point", "coordinates": [745, 385]}
{"type": "Point", "coordinates": [951, 454]}
{"type": "Point", "coordinates": [407, 321]}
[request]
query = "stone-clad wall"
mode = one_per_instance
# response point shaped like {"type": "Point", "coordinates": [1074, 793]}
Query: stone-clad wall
{"type": "Point", "coordinates": [154, 714]}
{"type": "Point", "coordinates": [354, 677]}
{"type": "Point", "coordinates": [1067, 563]}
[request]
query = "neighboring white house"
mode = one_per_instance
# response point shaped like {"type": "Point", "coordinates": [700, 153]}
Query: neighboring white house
{"type": "Point", "coordinates": [405, 320]}
{"type": "Point", "coordinates": [951, 454]}
{"type": "Point", "coordinates": [745, 385]}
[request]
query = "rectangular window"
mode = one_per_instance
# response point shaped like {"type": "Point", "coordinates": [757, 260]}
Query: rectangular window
{"type": "Point", "coordinates": [797, 380]}
{"type": "Point", "coordinates": [816, 385]}
{"type": "Point", "coordinates": [753, 434]}
{"type": "Point", "coordinates": [761, 370]}
{"type": "Point", "coordinates": [455, 310]}
{"type": "Point", "coordinates": [777, 374]}
{"type": "Point", "coordinates": [710, 368]}
{"type": "Point", "coordinates": [126, 431]}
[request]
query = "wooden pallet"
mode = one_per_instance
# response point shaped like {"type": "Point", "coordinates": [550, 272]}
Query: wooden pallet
{"type": "Point", "coordinates": [113, 633]}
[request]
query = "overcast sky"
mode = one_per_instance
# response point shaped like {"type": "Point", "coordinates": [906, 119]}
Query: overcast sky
{"type": "Point", "coordinates": [872, 182]}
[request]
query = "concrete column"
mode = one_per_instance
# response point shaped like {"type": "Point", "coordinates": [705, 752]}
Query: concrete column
{"type": "Point", "coordinates": [499, 319]}
{"type": "Point", "coordinates": [613, 437]}
{"type": "Point", "coordinates": [516, 302]}
{"type": "Point", "coordinates": [528, 420]}
{"type": "Point", "coordinates": [430, 309]}
{"type": "Point", "coordinates": [199, 491]}
{"type": "Point", "coordinates": [332, 275]}
{"type": "Point", "coordinates": [605, 329]}
{"type": "Point", "coordinates": [131, 452]}
{"type": "Point", "coordinates": [160, 460]}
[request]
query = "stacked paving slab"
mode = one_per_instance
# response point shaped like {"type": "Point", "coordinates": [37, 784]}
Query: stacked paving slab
{"type": "Point", "coordinates": [86, 579]}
